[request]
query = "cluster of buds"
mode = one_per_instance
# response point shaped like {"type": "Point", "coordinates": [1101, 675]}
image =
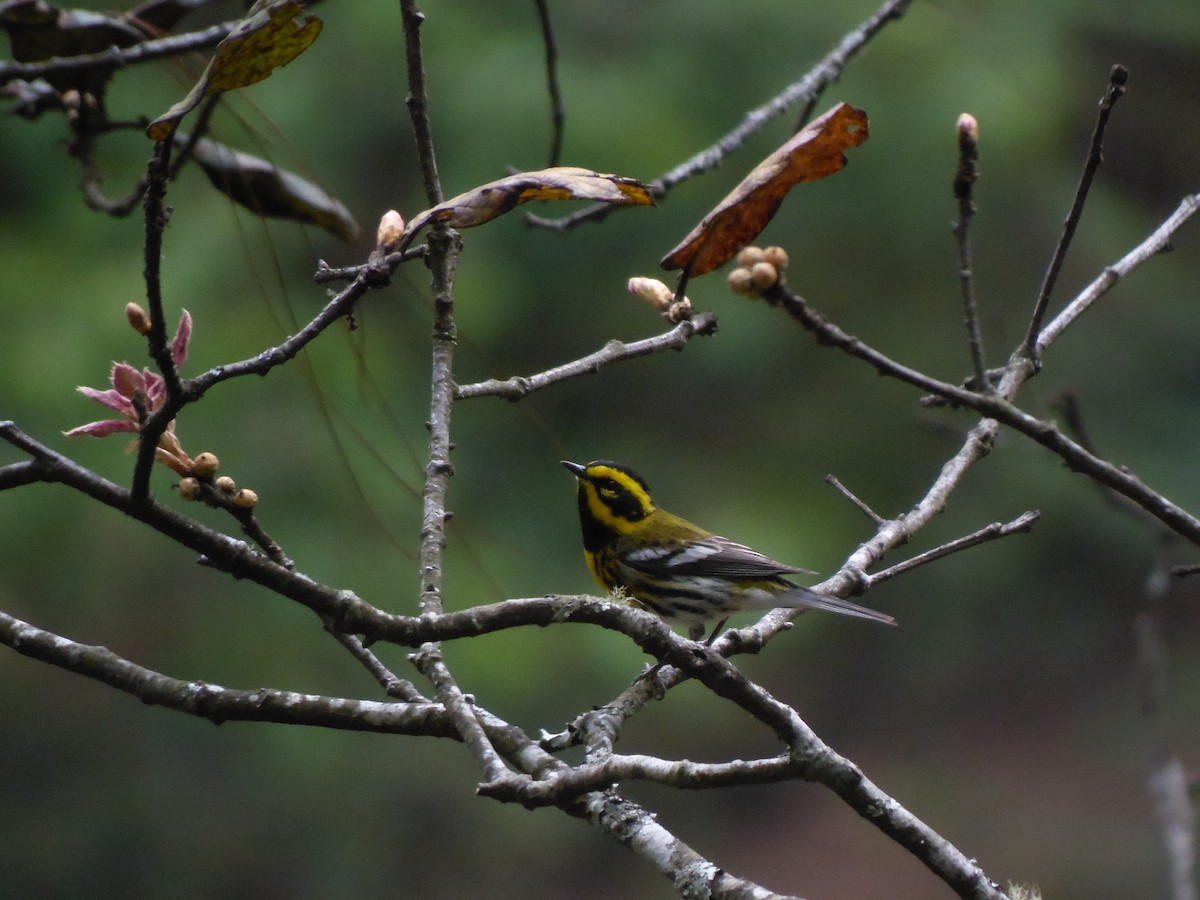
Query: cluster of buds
{"type": "Point", "coordinates": [757, 270]}
{"type": "Point", "coordinates": [136, 393]}
{"type": "Point", "coordinates": [204, 468]}
{"type": "Point", "coordinates": [661, 297]}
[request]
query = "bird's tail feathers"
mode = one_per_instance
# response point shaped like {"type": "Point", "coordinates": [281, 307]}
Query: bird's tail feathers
{"type": "Point", "coordinates": [797, 597]}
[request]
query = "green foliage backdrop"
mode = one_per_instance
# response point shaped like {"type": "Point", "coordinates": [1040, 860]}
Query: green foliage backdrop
{"type": "Point", "coordinates": [1004, 711]}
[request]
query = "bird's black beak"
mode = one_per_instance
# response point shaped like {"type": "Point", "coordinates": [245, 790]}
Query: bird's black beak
{"type": "Point", "coordinates": [576, 469]}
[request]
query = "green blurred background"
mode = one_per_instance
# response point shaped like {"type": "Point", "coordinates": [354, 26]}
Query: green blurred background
{"type": "Point", "coordinates": [1004, 711]}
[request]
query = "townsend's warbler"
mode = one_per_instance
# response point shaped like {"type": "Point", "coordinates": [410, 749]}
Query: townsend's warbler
{"type": "Point", "coordinates": [678, 570]}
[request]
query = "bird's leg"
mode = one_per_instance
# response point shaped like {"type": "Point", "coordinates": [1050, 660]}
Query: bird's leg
{"type": "Point", "coordinates": [698, 632]}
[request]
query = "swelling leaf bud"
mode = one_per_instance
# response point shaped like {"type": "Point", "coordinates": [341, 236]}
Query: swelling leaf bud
{"type": "Point", "coordinates": [245, 499]}
{"type": "Point", "coordinates": [740, 282]}
{"type": "Point", "coordinates": [763, 274]}
{"type": "Point", "coordinates": [137, 318]}
{"type": "Point", "coordinates": [777, 257]}
{"type": "Point", "coordinates": [749, 256]}
{"type": "Point", "coordinates": [391, 229]}
{"type": "Point", "coordinates": [205, 464]}
{"type": "Point", "coordinates": [968, 131]}
{"type": "Point", "coordinates": [652, 291]}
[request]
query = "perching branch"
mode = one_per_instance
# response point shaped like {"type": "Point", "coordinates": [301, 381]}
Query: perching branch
{"type": "Point", "coordinates": [513, 767]}
{"type": "Point", "coordinates": [602, 727]}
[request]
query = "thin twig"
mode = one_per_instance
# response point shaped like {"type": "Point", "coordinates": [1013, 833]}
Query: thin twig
{"type": "Point", "coordinates": [430, 663]}
{"type": "Point", "coordinates": [520, 386]}
{"type": "Point", "coordinates": [372, 275]}
{"type": "Point", "coordinates": [1158, 242]}
{"type": "Point", "coordinates": [153, 426]}
{"type": "Point", "coordinates": [558, 113]}
{"type": "Point", "coordinates": [859, 504]}
{"type": "Point", "coordinates": [118, 58]}
{"type": "Point", "coordinates": [326, 273]}
{"type": "Point", "coordinates": [998, 407]}
{"type": "Point", "coordinates": [1117, 78]}
{"type": "Point", "coordinates": [393, 685]}
{"type": "Point", "coordinates": [211, 495]}
{"type": "Point", "coordinates": [1167, 783]}
{"type": "Point", "coordinates": [964, 187]}
{"type": "Point", "coordinates": [417, 100]}
{"type": "Point", "coordinates": [1020, 525]}
{"type": "Point", "coordinates": [438, 469]}
{"type": "Point", "coordinates": [806, 90]}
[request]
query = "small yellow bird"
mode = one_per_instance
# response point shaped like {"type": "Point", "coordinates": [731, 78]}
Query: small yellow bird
{"type": "Point", "coordinates": [675, 569]}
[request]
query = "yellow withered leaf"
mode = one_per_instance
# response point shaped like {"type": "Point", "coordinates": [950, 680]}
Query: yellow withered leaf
{"type": "Point", "coordinates": [816, 151]}
{"type": "Point", "coordinates": [269, 37]}
{"type": "Point", "coordinates": [486, 202]}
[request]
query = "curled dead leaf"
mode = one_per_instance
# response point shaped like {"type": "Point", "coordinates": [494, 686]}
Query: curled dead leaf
{"type": "Point", "coordinates": [267, 190]}
{"type": "Point", "coordinates": [486, 202]}
{"type": "Point", "coordinates": [269, 37]}
{"type": "Point", "coordinates": [816, 151]}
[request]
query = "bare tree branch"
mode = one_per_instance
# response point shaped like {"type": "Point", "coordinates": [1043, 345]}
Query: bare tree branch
{"type": "Point", "coordinates": [219, 704]}
{"type": "Point", "coordinates": [964, 186]}
{"type": "Point", "coordinates": [806, 91]}
{"type": "Point", "coordinates": [857, 502]}
{"type": "Point", "coordinates": [514, 768]}
{"type": "Point", "coordinates": [997, 407]}
{"type": "Point", "coordinates": [118, 58]}
{"type": "Point", "coordinates": [1158, 242]}
{"type": "Point", "coordinates": [558, 113]}
{"type": "Point", "coordinates": [1168, 780]}
{"type": "Point", "coordinates": [153, 426]}
{"type": "Point", "coordinates": [641, 832]}
{"type": "Point", "coordinates": [520, 386]}
{"type": "Point", "coordinates": [1117, 79]}
{"type": "Point", "coordinates": [1023, 524]}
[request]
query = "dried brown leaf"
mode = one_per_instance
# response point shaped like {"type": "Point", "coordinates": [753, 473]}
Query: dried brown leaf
{"type": "Point", "coordinates": [816, 151]}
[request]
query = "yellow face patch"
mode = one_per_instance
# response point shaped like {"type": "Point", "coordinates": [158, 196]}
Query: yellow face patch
{"type": "Point", "coordinates": [615, 498]}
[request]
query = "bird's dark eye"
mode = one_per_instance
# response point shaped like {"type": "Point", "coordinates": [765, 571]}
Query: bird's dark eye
{"type": "Point", "coordinates": [606, 487]}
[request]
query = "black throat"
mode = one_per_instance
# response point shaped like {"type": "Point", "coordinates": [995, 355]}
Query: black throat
{"type": "Point", "coordinates": [595, 533]}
